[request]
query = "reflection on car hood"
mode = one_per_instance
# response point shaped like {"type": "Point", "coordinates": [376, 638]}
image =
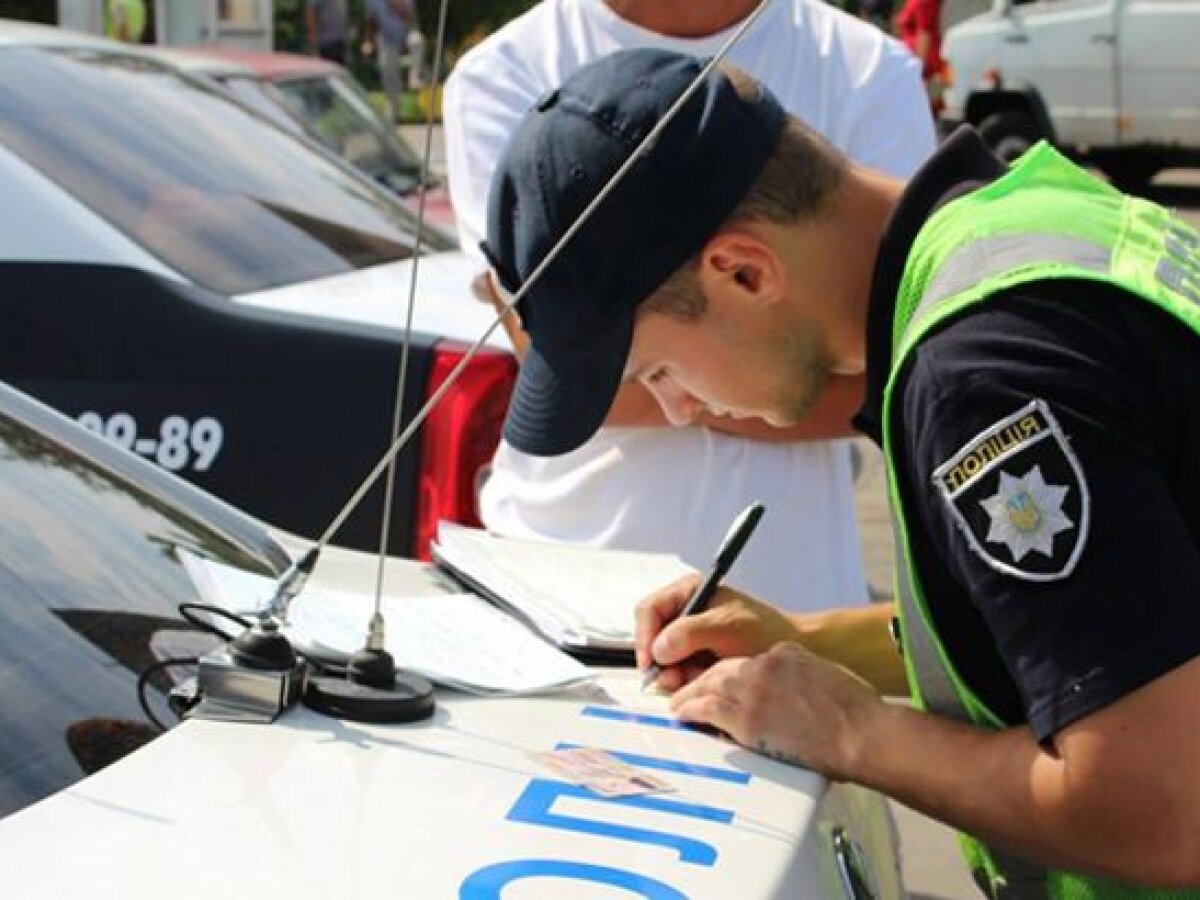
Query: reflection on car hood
{"type": "Point", "coordinates": [444, 304]}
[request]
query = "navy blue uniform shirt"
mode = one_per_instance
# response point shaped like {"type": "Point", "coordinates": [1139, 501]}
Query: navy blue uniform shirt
{"type": "Point", "coordinates": [1121, 382]}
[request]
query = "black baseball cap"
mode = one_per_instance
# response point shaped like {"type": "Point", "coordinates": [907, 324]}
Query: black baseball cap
{"type": "Point", "coordinates": [580, 313]}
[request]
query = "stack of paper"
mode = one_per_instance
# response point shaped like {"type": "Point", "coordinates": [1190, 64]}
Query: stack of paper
{"type": "Point", "coordinates": [456, 640]}
{"type": "Point", "coordinates": [580, 598]}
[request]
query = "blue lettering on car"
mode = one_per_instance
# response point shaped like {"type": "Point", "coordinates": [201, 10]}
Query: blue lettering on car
{"type": "Point", "coordinates": [488, 882]}
{"type": "Point", "coordinates": [535, 807]}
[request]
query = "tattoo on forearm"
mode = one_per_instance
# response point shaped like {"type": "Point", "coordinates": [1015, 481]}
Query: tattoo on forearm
{"type": "Point", "coordinates": [781, 755]}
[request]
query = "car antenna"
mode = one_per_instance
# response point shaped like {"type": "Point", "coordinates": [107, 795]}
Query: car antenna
{"type": "Point", "coordinates": [373, 691]}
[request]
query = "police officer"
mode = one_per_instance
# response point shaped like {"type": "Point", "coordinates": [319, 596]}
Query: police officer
{"type": "Point", "coordinates": [1031, 344]}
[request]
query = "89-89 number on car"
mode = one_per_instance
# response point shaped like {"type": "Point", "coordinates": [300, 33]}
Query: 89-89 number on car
{"type": "Point", "coordinates": [179, 444]}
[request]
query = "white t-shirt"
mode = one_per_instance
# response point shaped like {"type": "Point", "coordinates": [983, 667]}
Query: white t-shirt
{"type": "Point", "coordinates": [678, 489]}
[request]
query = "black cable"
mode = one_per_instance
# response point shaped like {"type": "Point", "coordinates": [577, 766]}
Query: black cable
{"type": "Point", "coordinates": [144, 679]}
{"type": "Point", "coordinates": [189, 610]}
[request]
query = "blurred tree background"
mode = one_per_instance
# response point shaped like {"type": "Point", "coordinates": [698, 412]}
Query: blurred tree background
{"type": "Point", "coordinates": [289, 26]}
{"type": "Point", "coordinates": [467, 22]}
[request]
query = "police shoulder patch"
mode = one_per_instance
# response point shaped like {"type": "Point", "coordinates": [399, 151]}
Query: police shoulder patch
{"type": "Point", "coordinates": [1018, 494]}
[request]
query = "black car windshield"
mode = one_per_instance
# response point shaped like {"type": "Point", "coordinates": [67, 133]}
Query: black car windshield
{"type": "Point", "coordinates": [215, 192]}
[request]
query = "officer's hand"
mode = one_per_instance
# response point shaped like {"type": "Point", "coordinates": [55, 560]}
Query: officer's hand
{"type": "Point", "coordinates": [735, 624]}
{"type": "Point", "coordinates": [789, 704]}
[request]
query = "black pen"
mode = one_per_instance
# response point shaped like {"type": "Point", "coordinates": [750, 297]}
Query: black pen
{"type": "Point", "coordinates": [739, 532]}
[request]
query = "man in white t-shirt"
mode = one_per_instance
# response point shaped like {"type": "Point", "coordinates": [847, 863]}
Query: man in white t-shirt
{"type": "Point", "coordinates": [639, 484]}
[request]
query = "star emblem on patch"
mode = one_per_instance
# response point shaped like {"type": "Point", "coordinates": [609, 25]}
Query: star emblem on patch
{"type": "Point", "coordinates": [1018, 495]}
{"type": "Point", "coordinates": [1027, 513]}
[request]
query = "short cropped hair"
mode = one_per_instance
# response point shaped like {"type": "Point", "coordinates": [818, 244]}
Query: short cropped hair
{"type": "Point", "coordinates": [796, 184]}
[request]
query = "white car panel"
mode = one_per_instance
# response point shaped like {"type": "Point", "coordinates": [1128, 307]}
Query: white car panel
{"type": "Point", "coordinates": [379, 296]}
{"type": "Point", "coordinates": [312, 807]}
{"type": "Point", "coordinates": [19, 33]}
{"type": "Point", "coordinates": [1160, 71]}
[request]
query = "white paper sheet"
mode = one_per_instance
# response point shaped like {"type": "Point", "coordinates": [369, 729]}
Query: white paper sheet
{"type": "Point", "coordinates": [572, 594]}
{"type": "Point", "coordinates": [456, 640]}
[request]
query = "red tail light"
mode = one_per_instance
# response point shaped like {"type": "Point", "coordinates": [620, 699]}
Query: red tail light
{"type": "Point", "coordinates": [460, 437]}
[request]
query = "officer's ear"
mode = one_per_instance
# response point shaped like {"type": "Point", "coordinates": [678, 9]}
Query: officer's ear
{"type": "Point", "coordinates": [741, 264]}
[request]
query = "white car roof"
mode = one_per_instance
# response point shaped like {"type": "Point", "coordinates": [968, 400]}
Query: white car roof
{"type": "Point", "coordinates": [27, 34]}
{"type": "Point", "coordinates": [378, 296]}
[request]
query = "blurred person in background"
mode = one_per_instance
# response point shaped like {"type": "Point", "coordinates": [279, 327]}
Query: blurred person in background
{"type": "Point", "coordinates": [326, 21]}
{"type": "Point", "coordinates": [919, 25]}
{"type": "Point", "coordinates": [391, 21]}
{"type": "Point", "coordinates": [639, 484]}
{"type": "Point", "coordinates": [125, 20]}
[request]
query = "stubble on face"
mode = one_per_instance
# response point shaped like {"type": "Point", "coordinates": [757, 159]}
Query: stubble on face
{"type": "Point", "coordinates": [801, 368]}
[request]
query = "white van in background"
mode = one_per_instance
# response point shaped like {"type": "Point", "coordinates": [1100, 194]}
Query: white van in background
{"type": "Point", "coordinates": [1114, 82]}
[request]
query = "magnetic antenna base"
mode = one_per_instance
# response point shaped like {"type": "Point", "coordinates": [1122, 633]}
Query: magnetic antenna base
{"type": "Point", "coordinates": [409, 699]}
{"type": "Point", "coordinates": [264, 647]}
{"type": "Point", "coordinates": [372, 691]}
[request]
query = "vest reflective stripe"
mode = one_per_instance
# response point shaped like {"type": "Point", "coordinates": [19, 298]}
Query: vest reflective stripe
{"type": "Point", "coordinates": [989, 257]}
{"type": "Point", "coordinates": [932, 687]}
{"type": "Point", "coordinates": [1045, 219]}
